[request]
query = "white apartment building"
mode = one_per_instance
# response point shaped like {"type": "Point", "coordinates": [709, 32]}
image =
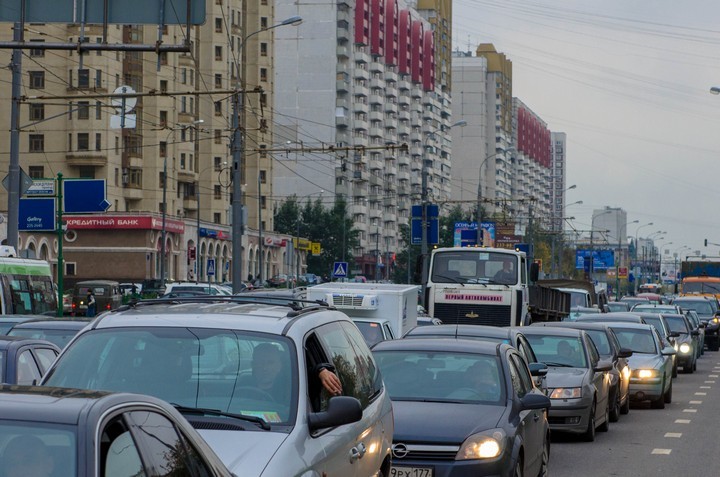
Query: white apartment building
{"type": "Point", "coordinates": [361, 74]}
{"type": "Point", "coordinates": [558, 180]}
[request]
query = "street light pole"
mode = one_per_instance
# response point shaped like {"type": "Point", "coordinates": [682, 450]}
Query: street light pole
{"type": "Point", "coordinates": [424, 225]}
{"type": "Point", "coordinates": [637, 280]}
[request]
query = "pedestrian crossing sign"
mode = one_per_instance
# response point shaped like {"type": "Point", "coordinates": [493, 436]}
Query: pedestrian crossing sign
{"type": "Point", "coordinates": [211, 267]}
{"type": "Point", "coordinates": [340, 269]}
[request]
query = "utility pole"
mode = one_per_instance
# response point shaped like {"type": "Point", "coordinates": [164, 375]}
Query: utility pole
{"type": "Point", "coordinates": [14, 167]}
{"type": "Point", "coordinates": [238, 226]}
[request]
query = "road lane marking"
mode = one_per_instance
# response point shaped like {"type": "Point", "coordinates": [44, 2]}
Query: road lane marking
{"type": "Point", "coordinates": [713, 376]}
{"type": "Point", "coordinates": [695, 402]}
{"type": "Point", "coordinates": [701, 394]}
{"type": "Point", "coordinates": [705, 387]}
{"type": "Point", "coordinates": [710, 382]}
{"type": "Point", "coordinates": [689, 410]}
{"type": "Point", "coordinates": [682, 421]}
{"type": "Point", "coordinates": [676, 435]}
{"type": "Point", "coordinates": [661, 451]}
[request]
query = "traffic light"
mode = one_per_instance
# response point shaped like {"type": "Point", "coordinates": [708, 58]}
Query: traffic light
{"type": "Point", "coordinates": [706, 242]}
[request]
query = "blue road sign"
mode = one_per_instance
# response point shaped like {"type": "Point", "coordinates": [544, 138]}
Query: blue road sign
{"type": "Point", "coordinates": [37, 214]}
{"type": "Point", "coordinates": [433, 225]}
{"type": "Point", "coordinates": [84, 196]}
{"type": "Point", "coordinates": [340, 269]}
{"type": "Point", "coordinates": [211, 267]}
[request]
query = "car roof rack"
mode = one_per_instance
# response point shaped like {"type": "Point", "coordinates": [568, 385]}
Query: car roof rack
{"type": "Point", "coordinates": [296, 305]}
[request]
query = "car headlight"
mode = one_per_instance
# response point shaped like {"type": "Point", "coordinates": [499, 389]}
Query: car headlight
{"type": "Point", "coordinates": [646, 373]}
{"type": "Point", "coordinates": [566, 393]}
{"type": "Point", "coordinates": [715, 320]}
{"type": "Point", "coordinates": [483, 445]}
{"type": "Point", "coordinates": [685, 348]}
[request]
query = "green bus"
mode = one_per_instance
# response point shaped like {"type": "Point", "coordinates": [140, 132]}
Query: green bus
{"type": "Point", "coordinates": [26, 287]}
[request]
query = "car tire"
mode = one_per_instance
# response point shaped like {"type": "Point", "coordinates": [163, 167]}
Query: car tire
{"type": "Point", "coordinates": [589, 434]}
{"type": "Point", "coordinates": [545, 459]}
{"type": "Point", "coordinates": [715, 345]}
{"type": "Point", "coordinates": [659, 403]}
{"type": "Point", "coordinates": [519, 472]}
{"type": "Point", "coordinates": [625, 408]}
{"type": "Point", "coordinates": [695, 365]}
{"type": "Point", "coordinates": [667, 397]}
{"type": "Point", "coordinates": [615, 408]}
{"type": "Point", "coordinates": [605, 426]}
{"type": "Point", "coordinates": [675, 370]}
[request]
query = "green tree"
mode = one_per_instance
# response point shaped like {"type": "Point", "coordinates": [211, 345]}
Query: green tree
{"type": "Point", "coordinates": [400, 272]}
{"type": "Point", "coordinates": [447, 225]}
{"type": "Point", "coordinates": [287, 215]}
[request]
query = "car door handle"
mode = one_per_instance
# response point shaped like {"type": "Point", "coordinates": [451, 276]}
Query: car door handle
{"type": "Point", "coordinates": [357, 452]}
{"type": "Point", "coordinates": [361, 449]}
{"type": "Point", "coordinates": [536, 417]}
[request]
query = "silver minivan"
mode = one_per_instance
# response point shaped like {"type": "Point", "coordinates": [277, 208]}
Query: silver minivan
{"type": "Point", "coordinates": [246, 375]}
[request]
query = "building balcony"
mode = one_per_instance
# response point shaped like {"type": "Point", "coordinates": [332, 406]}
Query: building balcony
{"type": "Point", "coordinates": [343, 34]}
{"type": "Point", "coordinates": [377, 132]}
{"type": "Point", "coordinates": [375, 164]}
{"type": "Point", "coordinates": [359, 73]}
{"type": "Point", "coordinates": [390, 217]}
{"type": "Point", "coordinates": [416, 150]}
{"type": "Point", "coordinates": [361, 55]}
{"type": "Point", "coordinates": [86, 158]}
{"type": "Point", "coordinates": [376, 99]}
{"type": "Point", "coordinates": [184, 175]}
{"type": "Point", "coordinates": [358, 209]}
{"type": "Point", "coordinates": [377, 82]}
{"type": "Point", "coordinates": [404, 84]}
{"type": "Point", "coordinates": [361, 124]}
{"type": "Point", "coordinates": [390, 106]}
{"type": "Point", "coordinates": [377, 66]}
{"type": "Point", "coordinates": [390, 75]}
{"type": "Point", "coordinates": [361, 90]}
{"type": "Point", "coordinates": [376, 116]}
{"type": "Point", "coordinates": [390, 90]}
{"type": "Point", "coordinates": [376, 180]}
{"type": "Point", "coordinates": [343, 51]}
{"type": "Point", "coordinates": [342, 85]}
{"type": "Point", "coordinates": [375, 213]}
{"type": "Point", "coordinates": [403, 176]}
{"type": "Point", "coordinates": [360, 176]}
{"type": "Point", "coordinates": [416, 92]}
{"type": "Point", "coordinates": [190, 202]}
{"type": "Point", "coordinates": [342, 121]}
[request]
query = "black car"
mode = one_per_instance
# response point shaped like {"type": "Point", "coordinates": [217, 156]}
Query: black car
{"type": "Point", "coordinates": [58, 331]}
{"type": "Point", "coordinates": [609, 349]}
{"type": "Point", "coordinates": [686, 341]}
{"type": "Point", "coordinates": [24, 360]}
{"type": "Point", "coordinates": [709, 313]}
{"type": "Point", "coordinates": [492, 420]}
{"type": "Point", "coordinates": [56, 431]}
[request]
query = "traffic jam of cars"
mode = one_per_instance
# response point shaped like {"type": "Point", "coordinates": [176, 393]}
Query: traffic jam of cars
{"type": "Point", "coordinates": [339, 378]}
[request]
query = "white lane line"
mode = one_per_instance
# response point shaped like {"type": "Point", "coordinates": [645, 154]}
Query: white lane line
{"type": "Point", "coordinates": [713, 376]}
{"type": "Point", "coordinates": [661, 451]}
{"type": "Point", "coordinates": [689, 410]}
{"type": "Point", "coordinates": [710, 382]}
{"type": "Point", "coordinates": [673, 434]}
{"type": "Point", "coordinates": [705, 387]}
{"type": "Point", "coordinates": [701, 394]}
{"type": "Point", "coordinates": [682, 421]}
{"type": "Point", "coordinates": [695, 402]}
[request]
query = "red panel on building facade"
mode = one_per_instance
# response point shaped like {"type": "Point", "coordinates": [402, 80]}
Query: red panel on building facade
{"type": "Point", "coordinates": [416, 52]}
{"type": "Point", "coordinates": [404, 41]}
{"type": "Point", "coordinates": [428, 79]}
{"type": "Point", "coordinates": [377, 27]}
{"type": "Point", "coordinates": [391, 32]}
{"type": "Point", "coordinates": [362, 22]}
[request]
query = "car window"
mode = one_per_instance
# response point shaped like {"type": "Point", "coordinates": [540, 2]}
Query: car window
{"type": "Point", "coordinates": [639, 341]}
{"type": "Point", "coordinates": [563, 350]}
{"type": "Point", "coordinates": [24, 443]}
{"type": "Point", "coordinates": [522, 381]}
{"type": "Point", "coordinates": [676, 324]}
{"type": "Point", "coordinates": [119, 454]}
{"type": "Point", "coordinates": [27, 370]}
{"type": "Point", "coordinates": [365, 362]}
{"type": "Point", "coordinates": [45, 357]}
{"type": "Point", "coordinates": [601, 342]}
{"type": "Point", "coordinates": [592, 350]}
{"type": "Point", "coordinates": [371, 332]}
{"type": "Point", "coordinates": [525, 350]}
{"type": "Point", "coordinates": [614, 341]}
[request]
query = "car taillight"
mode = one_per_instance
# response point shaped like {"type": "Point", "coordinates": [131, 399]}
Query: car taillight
{"type": "Point", "coordinates": [107, 307]}
{"type": "Point", "coordinates": [74, 305]}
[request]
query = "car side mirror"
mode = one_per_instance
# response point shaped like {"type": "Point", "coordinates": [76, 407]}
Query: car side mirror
{"type": "Point", "coordinates": [624, 353]}
{"type": "Point", "coordinates": [534, 272]}
{"type": "Point", "coordinates": [603, 365]}
{"type": "Point", "coordinates": [674, 334]}
{"type": "Point", "coordinates": [695, 333]}
{"type": "Point", "coordinates": [341, 410]}
{"type": "Point", "coordinates": [538, 369]}
{"type": "Point", "coordinates": [534, 400]}
{"type": "Point", "coordinates": [668, 351]}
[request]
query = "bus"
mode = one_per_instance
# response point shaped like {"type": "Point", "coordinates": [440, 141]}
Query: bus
{"type": "Point", "coordinates": [26, 287]}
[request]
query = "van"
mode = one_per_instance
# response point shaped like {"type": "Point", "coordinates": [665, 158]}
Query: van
{"type": "Point", "coordinates": [107, 296]}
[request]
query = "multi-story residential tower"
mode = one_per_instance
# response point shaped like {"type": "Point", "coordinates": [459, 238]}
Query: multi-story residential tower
{"type": "Point", "coordinates": [557, 180]}
{"type": "Point", "coordinates": [372, 85]}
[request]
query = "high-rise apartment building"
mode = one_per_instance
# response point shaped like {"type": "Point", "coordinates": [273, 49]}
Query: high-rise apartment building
{"type": "Point", "coordinates": [361, 74]}
{"type": "Point", "coordinates": [558, 184]}
{"type": "Point", "coordinates": [185, 129]}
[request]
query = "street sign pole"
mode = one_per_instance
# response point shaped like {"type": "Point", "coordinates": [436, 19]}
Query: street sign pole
{"type": "Point", "coordinates": [14, 167]}
{"type": "Point", "coordinates": [60, 260]}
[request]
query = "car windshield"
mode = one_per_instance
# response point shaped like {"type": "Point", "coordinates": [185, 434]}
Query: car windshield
{"type": "Point", "coordinates": [652, 309]}
{"type": "Point", "coordinates": [442, 377]}
{"type": "Point", "coordinates": [701, 307]}
{"type": "Point", "coordinates": [26, 445]}
{"type": "Point", "coordinates": [227, 370]}
{"type": "Point", "coordinates": [601, 341]}
{"type": "Point", "coordinates": [639, 341]}
{"type": "Point", "coordinates": [57, 337]}
{"type": "Point", "coordinates": [474, 266]}
{"type": "Point", "coordinates": [676, 324]}
{"type": "Point", "coordinates": [656, 322]}
{"type": "Point", "coordinates": [371, 332]}
{"type": "Point", "coordinates": [711, 288]}
{"type": "Point", "coordinates": [618, 306]}
{"type": "Point", "coordinates": [558, 350]}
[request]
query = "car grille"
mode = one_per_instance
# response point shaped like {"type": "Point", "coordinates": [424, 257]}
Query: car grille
{"type": "Point", "coordinates": [403, 451]}
{"type": "Point", "coordinates": [467, 314]}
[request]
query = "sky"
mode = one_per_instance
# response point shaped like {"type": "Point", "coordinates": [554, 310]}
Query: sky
{"type": "Point", "coordinates": [629, 82]}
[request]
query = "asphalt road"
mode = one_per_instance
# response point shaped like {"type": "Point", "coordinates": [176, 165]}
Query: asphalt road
{"type": "Point", "coordinates": [681, 439]}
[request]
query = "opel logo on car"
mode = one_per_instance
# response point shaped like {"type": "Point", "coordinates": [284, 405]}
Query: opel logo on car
{"type": "Point", "coordinates": [399, 450]}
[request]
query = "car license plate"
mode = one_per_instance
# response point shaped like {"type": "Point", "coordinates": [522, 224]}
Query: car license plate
{"type": "Point", "coordinates": [411, 471]}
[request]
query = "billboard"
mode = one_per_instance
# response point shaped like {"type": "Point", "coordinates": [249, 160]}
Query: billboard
{"type": "Point", "coordinates": [603, 259]}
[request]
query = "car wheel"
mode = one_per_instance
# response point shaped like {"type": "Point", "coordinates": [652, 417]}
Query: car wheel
{"type": "Point", "coordinates": [625, 408]}
{"type": "Point", "coordinates": [675, 371]}
{"type": "Point", "coordinates": [659, 403]}
{"type": "Point", "coordinates": [518, 472]}
{"type": "Point", "coordinates": [695, 365]}
{"type": "Point", "coordinates": [545, 459]}
{"type": "Point", "coordinates": [715, 346]}
{"type": "Point", "coordinates": [589, 434]}
{"type": "Point", "coordinates": [615, 408]}
{"type": "Point", "coordinates": [605, 426]}
{"type": "Point", "coordinates": [667, 397]}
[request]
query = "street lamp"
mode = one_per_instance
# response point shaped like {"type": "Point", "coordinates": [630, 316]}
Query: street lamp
{"type": "Point", "coordinates": [164, 195]}
{"type": "Point", "coordinates": [424, 206]}
{"type": "Point", "coordinates": [238, 225]}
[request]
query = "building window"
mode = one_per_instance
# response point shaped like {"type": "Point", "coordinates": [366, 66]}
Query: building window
{"type": "Point", "coordinates": [37, 79]}
{"type": "Point", "coordinates": [37, 142]}
{"type": "Point", "coordinates": [37, 52]}
{"type": "Point", "coordinates": [36, 172]}
{"type": "Point", "coordinates": [163, 86]}
{"type": "Point", "coordinates": [218, 25]}
{"type": "Point", "coordinates": [117, 145]}
{"type": "Point", "coordinates": [263, 49]}
{"type": "Point", "coordinates": [263, 202]}
{"type": "Point", "coordinates": [70, 142]}
{"type": "Point", "coordinates": [218, 108]}
{"type": "Point", "coordinates": [183, 104]}
{"type": "Point", "coordinates": [263, 177]}
{"type": "Point", "coordinates": [218, 80]}
{"type": "Point", "coordinates": [163, 119]}
{"type": "Point", "coordinates": [182, 161]}
{"type": "Point", "coordinates": [216, 218]}
{"type": "Point", "coordinates": [83, 110]}
{"type": "Point", "coordinates": [98, 110]}
{"type": "Point", "coordinates": [217, 163]}
{"type": "Point", "coordinates": [263, 74]}
{"type": "Point", "coordinates": [163, 58]}
{"type": "Point", "coordinates": [98, 142]}
{"type": "Point", "coordinates": [86, 172]}
{"type": "Point", "coordinates": [98, 77]}
{"type": "Point", "coordinates": [163, 149]}
{"type": "Point", "coordinates": [83, 141]}
{"type": "Point", "coordinates": [218, 136]}
{"type": "Point", "coordinates": [217, 192]}
{"type": "Point", "coordinates": [37, 111]}
{"type": "Point", "coordinates": [84, 78]}
{"type": "Point", "coordinates": [183, 75]}
{"type": "Point", "coordinates": [218, 53]}
{"type": "Point", "coordinates": [70, 269]}
{"type": "Point", "coordinates": [263, 22]}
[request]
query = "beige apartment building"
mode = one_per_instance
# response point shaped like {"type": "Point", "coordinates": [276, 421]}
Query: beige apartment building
{"type": "Point", "coordinates": [186, 129]}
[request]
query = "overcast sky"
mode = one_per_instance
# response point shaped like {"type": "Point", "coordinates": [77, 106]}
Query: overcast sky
{"type": "Point", "coordinates": [628, 81]}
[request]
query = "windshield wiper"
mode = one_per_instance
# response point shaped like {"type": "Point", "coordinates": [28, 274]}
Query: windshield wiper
{"type": "Point", "coordinates": [452, 279]}
{"type": "Point", "coordinates": [558, 365]}
{"type": "Point", "coordinates": [216, 412]}
{"type": "Point", "coordinates": [493, 282]}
